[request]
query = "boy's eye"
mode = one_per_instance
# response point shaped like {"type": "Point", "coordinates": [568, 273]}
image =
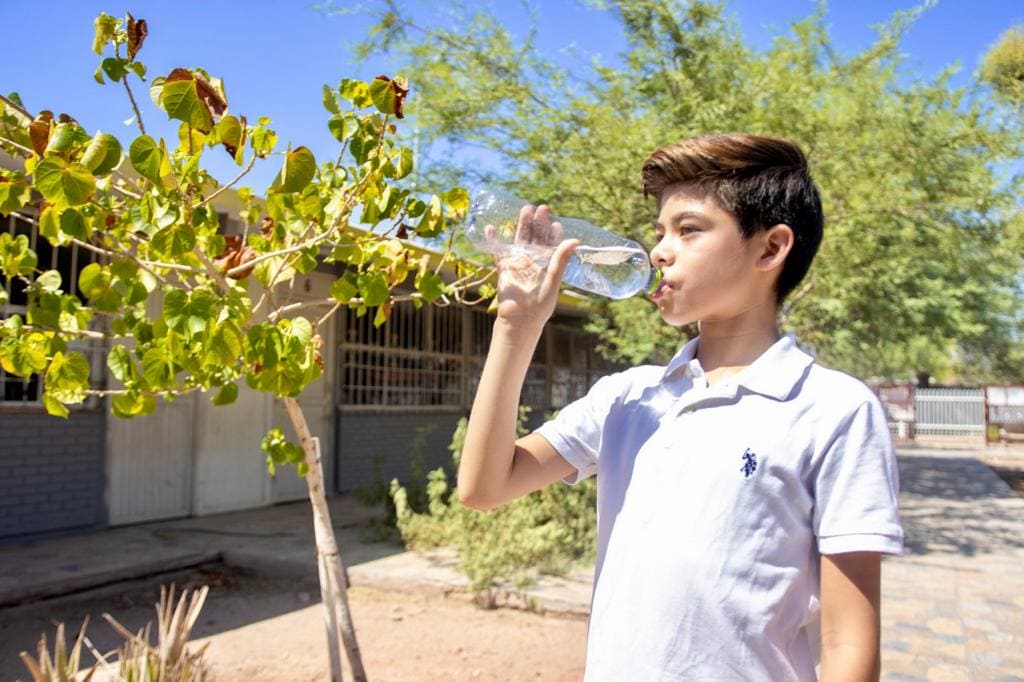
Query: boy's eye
{"type": "Point", "coordinates": [688, 229]}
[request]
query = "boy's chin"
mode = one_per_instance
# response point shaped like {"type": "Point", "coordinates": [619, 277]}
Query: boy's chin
{"type": "Point", "coordinates": [674, 318]}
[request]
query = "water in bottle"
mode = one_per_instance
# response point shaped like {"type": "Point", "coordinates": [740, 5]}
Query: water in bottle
{"type": "Point", "coordinates": [604, 263]}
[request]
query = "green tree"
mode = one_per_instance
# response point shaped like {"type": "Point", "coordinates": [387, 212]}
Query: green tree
{"type": "Point", "coordinates": [181, 306]}
{"type": "Point", "coordinates": [1003, 66]}
{"type": "Point", "coordinates": [919, 272]}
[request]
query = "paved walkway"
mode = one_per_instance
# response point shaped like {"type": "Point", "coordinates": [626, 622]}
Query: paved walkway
{"type": "Point", "coordinates": [953, 606]}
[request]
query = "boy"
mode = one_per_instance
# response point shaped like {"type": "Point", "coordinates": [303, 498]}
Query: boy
{"type": "Point", "coordinates": [745, 493]}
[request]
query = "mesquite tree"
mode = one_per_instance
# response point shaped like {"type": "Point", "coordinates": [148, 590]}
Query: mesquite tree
{"type": "Point", "coordinates": [183, 307]}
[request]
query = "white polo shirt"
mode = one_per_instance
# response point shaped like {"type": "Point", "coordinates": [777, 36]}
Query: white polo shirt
{"type": "Point", "coordinates": [714, 505]}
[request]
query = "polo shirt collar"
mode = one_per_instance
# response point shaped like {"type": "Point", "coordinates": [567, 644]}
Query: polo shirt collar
{"type": "Point", "coordinates": [774, 374]}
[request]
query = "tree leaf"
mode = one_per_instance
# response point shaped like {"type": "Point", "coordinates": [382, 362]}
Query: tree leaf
{"type": "Point", "coordinates": [67, 377]}
{"type": "Point", "coordinates": [137, 32]}
{"type": "Point", "coordinates": [14, 194]}
{"type": "Point", "coordinates": [430, 285]}
{"type": "Point", "coordinates": [16, 257]}
{"type": "Point", "coordinates": [54, 407]}
{"type": "Point", "coordinates": [298, 170]}
{"type": "Point", "coordinates": [175, 240]}
{"type": "Point", "coordinates": [147, 158]}
{"type": "Point", "coordinates": [389, 94]}
{"type": "Point", "coordinates": [180, 99]}
{"type": "Point", "coordinates": [115, 68]}
{"type": "Point", "coordinates": [187, 313]}
{"type": "Point", "coordinates": [231, 133]}
{"type": "Point", "coordinates": [102, 155]}
{"type": "Point", "coordinates": [344, 288]}
{"type": "Point", "coordinates": [39, 131]}
{"type": "Point", "coordinates": [119, 361]}
{"type": "Point", "coordinates": [105, 26]}
{"type": "Point", "coordinates": [65, 136]}
{"type": "Point", "coordinates": [227, 394]}
{"type": "Point", "coordinates": [158, 368]}
{"type": "Point", "coordinates": [63, 183]}
{"type": "Point", "coordinates": [330, 100]}
{"type": "Point", "coordinates": [73, 224]}
{"type": "Point", "coordinates": [355, 91]}
{"type": "Point", "coordinates": [341, 126]}
{"type": "Point", "coordinates": [373, 286]}
{"type": "Point", "coordinates": [405, 163]}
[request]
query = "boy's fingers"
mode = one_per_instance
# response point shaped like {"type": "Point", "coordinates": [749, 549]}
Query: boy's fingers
{"type": "Point", "coordinates": [524, 225]}
{"type": "Point", "coordinates": [556, 233]}
{"type": "Point", "coordinates": [559, 262]}
{"type": "Point", "coordinates": [542, 226]}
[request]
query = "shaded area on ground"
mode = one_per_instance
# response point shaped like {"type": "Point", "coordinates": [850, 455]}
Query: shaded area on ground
{"type": "Point", "coordinates": [956, 505]}
{"type": "Point", "coordinates": [237, 598]}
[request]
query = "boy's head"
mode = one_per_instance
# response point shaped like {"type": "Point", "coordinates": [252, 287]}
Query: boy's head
{"type": "Point", "coordinates": [761, 184]}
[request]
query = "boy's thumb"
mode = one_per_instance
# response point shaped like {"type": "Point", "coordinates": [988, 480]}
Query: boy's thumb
{"type": "Point", "coordinates": [560, 260]}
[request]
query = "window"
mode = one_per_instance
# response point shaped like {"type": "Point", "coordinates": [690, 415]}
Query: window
{"type": "Point", "coordinates": [432, 358]}
{"type": "Point", "coordinates": [415, 359]}
{"type": "Point", "coordinates": [68, 261]}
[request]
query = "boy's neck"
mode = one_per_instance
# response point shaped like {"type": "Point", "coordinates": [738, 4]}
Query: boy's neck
{"type": "Point", "coordinates": [725, 348]}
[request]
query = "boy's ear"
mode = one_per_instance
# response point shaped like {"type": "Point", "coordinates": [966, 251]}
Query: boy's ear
{"type": "Point", "coordinates": [776, 243]}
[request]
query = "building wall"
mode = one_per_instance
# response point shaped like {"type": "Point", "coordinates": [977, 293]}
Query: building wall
{"type": "Point", "coordinates": [374, 447]}
{"type": "Point", "coordinates": [51, 473]}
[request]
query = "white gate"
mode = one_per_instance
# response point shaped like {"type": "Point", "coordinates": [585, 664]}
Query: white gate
{"type": "Point", "coordinates": [950, 412]}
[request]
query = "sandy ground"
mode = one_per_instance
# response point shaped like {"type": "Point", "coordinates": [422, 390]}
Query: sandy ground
{"type": "Point", "coordinates": [262, 629]}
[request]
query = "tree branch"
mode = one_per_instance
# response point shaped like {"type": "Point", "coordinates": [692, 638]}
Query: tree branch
{"type": "Point", "coordinates": [223, 188]}
{"type": "Point", "coordinates": [24, 150]}
{"type": "Point", "coordinates": [131, 97]}
{"type": "Point", "coordinates": [17, 107]}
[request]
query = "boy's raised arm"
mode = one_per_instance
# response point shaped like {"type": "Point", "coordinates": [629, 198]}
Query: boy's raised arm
{"type": "Point", "coordinates": [496, 468]}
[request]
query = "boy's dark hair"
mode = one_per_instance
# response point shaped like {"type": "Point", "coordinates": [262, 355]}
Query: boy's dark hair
{"type": "Point", "coordinates": [763, 181]}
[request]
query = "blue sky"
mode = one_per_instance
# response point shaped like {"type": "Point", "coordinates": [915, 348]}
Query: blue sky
{"type": "Point", "coordinates": [274, 55]}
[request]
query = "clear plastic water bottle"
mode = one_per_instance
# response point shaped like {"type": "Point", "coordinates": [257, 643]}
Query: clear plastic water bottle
{"type": "Point", "coordinates": [604, 263]}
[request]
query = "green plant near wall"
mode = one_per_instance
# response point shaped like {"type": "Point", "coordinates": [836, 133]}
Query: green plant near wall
{"type": "Point", "coordinates": [547, 532]}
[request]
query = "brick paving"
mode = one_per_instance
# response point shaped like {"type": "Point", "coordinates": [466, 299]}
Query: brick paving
{"type": "Point", "coordinates": [953, 605]}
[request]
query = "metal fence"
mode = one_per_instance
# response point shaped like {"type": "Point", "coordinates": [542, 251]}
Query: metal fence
{"type": "Point", "coordinates": [950, 412]}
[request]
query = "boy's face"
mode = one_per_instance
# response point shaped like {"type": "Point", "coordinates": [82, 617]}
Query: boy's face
{"type": "Point", "coordinates": [710, 273]}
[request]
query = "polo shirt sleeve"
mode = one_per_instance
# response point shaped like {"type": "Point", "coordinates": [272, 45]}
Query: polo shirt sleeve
{"type": "Point", "coordinates": [576, 431]}
{"type": "Point", "coordinates": [856, 487]}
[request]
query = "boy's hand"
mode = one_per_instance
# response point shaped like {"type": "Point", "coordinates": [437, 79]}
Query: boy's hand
{"type": "Point", "coordinates": [528, 281]}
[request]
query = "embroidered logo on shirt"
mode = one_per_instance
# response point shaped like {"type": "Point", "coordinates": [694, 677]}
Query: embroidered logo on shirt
{"type": "Point", "coordinates": [749, 463]}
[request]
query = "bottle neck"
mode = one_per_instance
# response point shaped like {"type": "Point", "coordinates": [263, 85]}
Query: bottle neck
{"type": "Point", "coordinates": [653, 281]}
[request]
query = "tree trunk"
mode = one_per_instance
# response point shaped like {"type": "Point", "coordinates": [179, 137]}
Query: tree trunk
{"type": "Point", "coordinates": [333, 580]}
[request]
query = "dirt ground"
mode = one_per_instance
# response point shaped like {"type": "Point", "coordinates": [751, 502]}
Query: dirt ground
{"type": "Point", "coordinates": [261, 629]}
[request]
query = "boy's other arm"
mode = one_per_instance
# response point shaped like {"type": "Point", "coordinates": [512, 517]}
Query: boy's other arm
{"type": "Point", "coordinates": [850, 597]}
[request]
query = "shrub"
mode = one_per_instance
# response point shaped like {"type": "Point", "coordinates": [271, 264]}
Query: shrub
{"type": "Point", "coordinates": [547, 532]}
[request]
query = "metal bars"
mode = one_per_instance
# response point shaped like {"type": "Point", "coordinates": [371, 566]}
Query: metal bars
{"type": "Point", "coordinates": [67, 260]}
{"type": "Point", "coordinates": [430, 358]}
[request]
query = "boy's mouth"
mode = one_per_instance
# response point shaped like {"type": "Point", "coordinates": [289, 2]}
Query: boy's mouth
{"type": "Point", "coordinates": [660, 291]}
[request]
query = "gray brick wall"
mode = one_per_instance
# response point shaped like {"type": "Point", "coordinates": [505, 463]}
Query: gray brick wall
{"type": "Point", "coordinates": [51, 474]}
{"type": "Point", "coordinates": [374, 447]}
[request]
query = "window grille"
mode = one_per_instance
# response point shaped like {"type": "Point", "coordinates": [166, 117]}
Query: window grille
{"type": "Point", "coordinates": [415, 359]}
{"type": "Point", "coordinates": [432, 357]}
{"type": "Point", "coordinates": [68, 261]}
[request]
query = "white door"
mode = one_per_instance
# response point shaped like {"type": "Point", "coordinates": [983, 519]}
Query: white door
{"type": "Point", "coordinates": [149, 464]}
{"type": "Point", "coordinates": [230, 467]}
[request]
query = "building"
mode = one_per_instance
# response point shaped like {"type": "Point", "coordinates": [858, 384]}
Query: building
{"type": "Point", "coordinates": [382, 387]}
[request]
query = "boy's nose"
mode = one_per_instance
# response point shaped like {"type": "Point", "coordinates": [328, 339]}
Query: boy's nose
{"type": "Point", "coordinates": [659, 258]}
